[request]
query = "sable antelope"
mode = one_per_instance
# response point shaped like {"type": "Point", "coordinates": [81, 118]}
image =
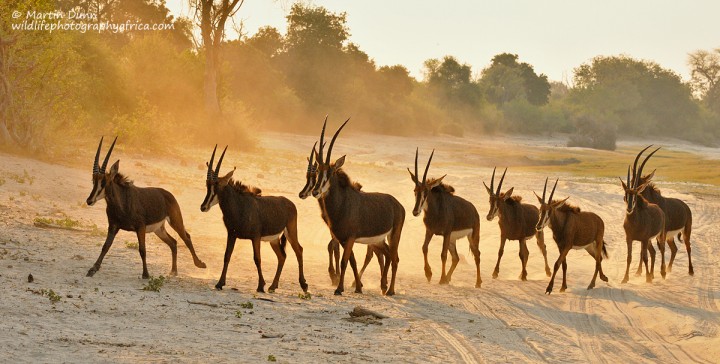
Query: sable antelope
{"type": "Point", "coordinates": [142, 210]}
{"type": "Point", "coordinates": [517, 222]}
{"type": "Point", "coordinates": [678, 219]}
{"type": "Point", "coordinates": [643, 220]}
{"type": "Point", "coordinates": [333, 245]}
{"type": "Point", "coordinates": [249, 215]}
{"type": "Point", "coordinates": [572, 229]}
{"type": "Point", "coordinates": [447, 215]}
{"type": "Point", "coordinates": [354, 216]}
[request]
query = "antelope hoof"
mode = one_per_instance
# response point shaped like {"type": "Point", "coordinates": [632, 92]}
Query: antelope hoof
{"type": "Point", "coordinates": [173, 273]}
{"type": "Point", "coordinates": [219, 286]}
{"type": "Point", "coordinates": [547, 271]}
{"type": "Point", "coordinates": [604, 278]}
{"type": "Point", "coordinates": [562, 289]}
{"type": "Point", "coordinates": [260, 289]}
{"type": "Point", "coordinates": [663, 274]}
{"type": "Point", "coordinates": [495, 273]}
{"type": "Point", "coordinates": [338, 292]}
{"type": "Point", "coordinates": [358, 289]}
{"type": "Point", "coordinates": [272, 288]}
{"type": "Point", "coordinates": [335, 279]}
{"type": "Point", "coordinates": [428, 274]}
{"type": "Point", "coordinates": [523, 277]}
{"type": "Point", "coordinates": [91, 272]}
{"type": "Point", "coordinates": [648, 278]}
{"type": "Point", "coordinates": [390, 292]}
{"type": "Point", "coordinates": [444, 281]}
{"type": "Point", "coordinates": [200, 264]}
{"type": "Point", "coordinates": [548, 290]}
{"type": "Point", "coordinates": [304, 286]}
{"type": "Point", "coordinates": [478, 284]}
{"type": "Point", "coordinates": [591, 286]}
{"type": "Point", "coordinates": [625, 280]}
{"type": "Point", "coordinates": [145, 275]}
{"type": "Point", "coordinates": [691, 271]}
{"type": "Point", "coordinates": [669, 268]}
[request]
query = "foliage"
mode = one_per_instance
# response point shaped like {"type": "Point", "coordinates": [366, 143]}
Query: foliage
{"type": "Point", "coordinates": [271, 358]}
{"type": "Point", "coordinates": [154, 284]}
{"type": "Point", "coordinates": [248, 305]}
{"type": "Point", "coordinates": [51, 295]}
{"type": "Point", "coordinates": [592, 134]}
{"type": "Point", "coordinates": [305, 296]}
{"type": "Point", "coordinates": [506, 80]}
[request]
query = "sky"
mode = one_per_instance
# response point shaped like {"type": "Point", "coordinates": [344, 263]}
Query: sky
{"type": "Point", "coordinates": [554, 36]}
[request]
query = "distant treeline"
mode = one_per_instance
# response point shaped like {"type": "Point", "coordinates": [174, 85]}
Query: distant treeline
{"type": "Point", "coordinates": [147, 86]}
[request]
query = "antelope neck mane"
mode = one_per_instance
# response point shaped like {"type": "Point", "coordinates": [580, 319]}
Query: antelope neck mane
{"type": "Point", "coordinates": [345, 181]}
{"type": "Point", "coordinates": [244, 189]}
{"type": "Point", "coordinates": [514, 199]}
{"type": "Point", "coordinates": [442, 187]}
{"type": "Point", "coordinates": [566, 207]}
{"type": "Point", "coordinates": [122, 180]}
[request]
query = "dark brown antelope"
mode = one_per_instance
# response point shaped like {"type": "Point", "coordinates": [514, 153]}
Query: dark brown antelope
{"type": "Point", "coordinates": [354, 216]}
{"type": "Point", "coordinates": [333, 246]}
{"type": "Point", "coordinates": [678, 219]}
{"type": "Point", "coordinates": [249, 215]}
{"type": "Point", "coordinates": [643, 221]}
{"type": "Point", "coordinates": [572, 229]}
{"type": "Point", "coordinates": [446, 215]}
{"type": "Point", "coordinates": [142, 210]}
{"type": "Point", "coordinates": [517, 222]}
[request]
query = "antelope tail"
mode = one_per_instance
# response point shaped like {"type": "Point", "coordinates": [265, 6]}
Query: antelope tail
{"type": "Point", "coordinates": [604, 250]}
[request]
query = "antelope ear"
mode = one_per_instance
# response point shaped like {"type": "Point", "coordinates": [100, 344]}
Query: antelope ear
{"type": "Point", "coordinates": [508, 194]}
{"type": "Point", "coordinates": [487, 189]}
{"type": "Point", "coordinates": [622, 183]}
{"type": "Point", "coordinates": [559, 203]}
{"type": "Point", "coordinates": [224, 180]}
{"type": "Point", "coordinates": [650, 176]}
{"type": "Point", "coordinates": [114, 169]}
{"type": "Point", "coordinates": [412, 176]}
{"type": "Point", "coordinates": [538, 197]}
{"type": "Point", "coordinates": [339, 163]}
{"type": "Point", "coordinates": [641, 188]}
{"type": "Point", "coordinates": [437, 182]}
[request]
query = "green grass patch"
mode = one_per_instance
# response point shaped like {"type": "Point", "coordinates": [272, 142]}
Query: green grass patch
{"type": "Point", "coordinates": [154, 284]}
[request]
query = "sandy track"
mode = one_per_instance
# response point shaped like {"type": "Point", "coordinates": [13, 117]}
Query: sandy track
{"type": "Point", "coordinates": [108, 317]}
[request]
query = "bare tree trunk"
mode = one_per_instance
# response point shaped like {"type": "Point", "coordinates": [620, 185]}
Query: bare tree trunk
{"type": "Point", "coordinates": [212, 104]}
{"type": "Point", "coordinates": [6, 119]}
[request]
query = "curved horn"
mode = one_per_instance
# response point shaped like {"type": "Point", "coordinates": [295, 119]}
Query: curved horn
{"type": "Point", "coordinates": [322, 141]}
{"type": "Point", "coordinates": [628, 177]}
{"type": "Point", "coordinates": [107, 157]}
{"type": "Point", "coordinates": [492, 181]}
{"type": "Point", "coordinates": [312, 155]}
{"type": "Point", "coordinates": [553, 191]}
{"type": "Point", "coordinates": [501, 181]}
{"type": "Point", "coordinates": [96, 165]}
{"type": "Point", "coordinates": [544, 190]}
{"type": "Point", "coordinates": [427, 167]}
{"type": "Point", "coordinates": [332, 142]}
{"type": "Point", "coordinates": [634, 168]}
{"type": "Point", "coordinates": [416, 172]}
{"type": "Point", "coordinates": [217, 168]}
{"type": "Point", "coordinates": [639, 174]}
{"type": "Point", "coordinates": [210, 165]}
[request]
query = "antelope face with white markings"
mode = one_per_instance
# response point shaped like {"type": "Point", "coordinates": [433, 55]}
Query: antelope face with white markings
{"type": "Point", "coordinates": [311, 175]}
{"type": "Point", "coordinates": [547, 207]}
{"type": "Point", "coordinates": [495, 196]}
{"type": "Point", "coordinates": [422, 188]}
{"type": "Point", "coordinates": [325, 170]}
{"type": "Point", "coordinates": [214, 183]}
{"type": "Point", "coordinates": [100, 178]}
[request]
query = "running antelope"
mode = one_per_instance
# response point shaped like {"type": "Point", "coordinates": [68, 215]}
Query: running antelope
{"type": "Point", "coordinates": [354, 216]}
{"type": "Point", "coordinates": [142, 210]}
{"type": "Point", "coordinates": [678, 219]}
{"type": "Point", "coordinates": [249, 215]}
{"type": "Point", "coordinates": [572, 229]}
{"type": "Point", "coordinates": [333, 246]}
{"type": "Point", "coordinates": [643, 221]}
{"type": "Point", "coordinates": [447, 215]}
{"type": "Point", "coordinates": [517, 222]}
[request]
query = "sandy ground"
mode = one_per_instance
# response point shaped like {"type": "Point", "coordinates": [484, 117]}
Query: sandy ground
{"type": "Point", "coordinates": [110, 318]}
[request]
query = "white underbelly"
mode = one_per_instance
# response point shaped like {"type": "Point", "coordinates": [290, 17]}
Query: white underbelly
{"type": "Point", "coordinates": [152, 228]}
{"type": "Point", "coordinates": [373, 239]}
{"type": "Point", "coordinates": [578, 247]}
{"type": "Point", "coordinates": [674, 233]}
{"type": "Point", "coordinates": [455, 235]}
{"type": "Point", "coordinates": [272, 237]}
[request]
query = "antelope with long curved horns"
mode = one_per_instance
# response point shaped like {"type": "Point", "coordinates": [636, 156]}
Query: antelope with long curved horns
{"type": "Point", "coordinates": [517, 222]}
{"type": "Point", "coordinates": [678, 220]}
{"type": "Point", "coordinates": [333, 246]}
{"type": "Point", "coordinates": [249, 215]}
{"type": "Point", "coordinates": [572, 229]}
{"type": "Point", "coordinates": [643, 220]}
{"type": "Point", "coordinates": [131, 208]}
{"type": "Point", "coordinates": [354, 216]}
{"type": "Point", "coordinates": [446, 215]}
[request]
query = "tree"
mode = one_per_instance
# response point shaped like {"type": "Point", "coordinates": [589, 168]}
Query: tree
{"type": "Point", "coordinates": [705, 71]}
{"type": "Point", "coordinates": [506, 79]}
{"type": "Point", "coordinates": [213, 15]}
{"type": "Point", "coordinates": [452, 80]}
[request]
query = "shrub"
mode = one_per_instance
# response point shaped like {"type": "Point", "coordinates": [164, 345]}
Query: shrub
{"type": "Point", "coordinates": [592, 134]}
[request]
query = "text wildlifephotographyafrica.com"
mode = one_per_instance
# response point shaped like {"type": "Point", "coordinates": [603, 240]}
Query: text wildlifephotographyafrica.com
{"type": "Point", "coordinates": [385, 159]}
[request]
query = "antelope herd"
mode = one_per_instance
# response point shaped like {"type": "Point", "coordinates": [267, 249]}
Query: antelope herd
{"type": "Point", "coordinates": [354, 216]}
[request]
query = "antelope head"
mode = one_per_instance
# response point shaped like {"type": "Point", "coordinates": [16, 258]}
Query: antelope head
{"type": "Point", "coordinates": [326, 170]}
{"type": "Point", "coordinates": [495, 196]}
{"type": "Point", "coordinates": [422, 188]}
{"type": "Point", "coordinates": [546, 207]}
{"type": "Point", "coordinates": [214, 183]}
{"type": "Point", "coordinates": [634, 186]}
{"type": "Point", "coordinates": [311, 175]}
{"type": "Point", "coordinates": [100, 178]}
